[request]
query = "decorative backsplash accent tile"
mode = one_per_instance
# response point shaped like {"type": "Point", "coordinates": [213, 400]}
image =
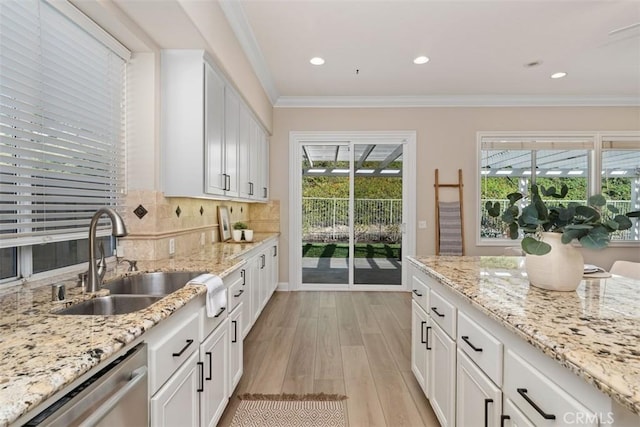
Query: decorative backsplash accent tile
{"type": "Point", "coordinates": [201, 210]}
{"type": "Point", "coordinates": [140, 211]}
{"type": "Point", "coordinates": [178, 211]}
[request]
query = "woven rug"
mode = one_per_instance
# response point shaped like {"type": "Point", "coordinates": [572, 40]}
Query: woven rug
{"type": "Point", "coordinates": [284, 410]}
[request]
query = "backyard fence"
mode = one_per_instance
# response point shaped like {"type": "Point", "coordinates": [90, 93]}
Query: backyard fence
{"type": "Point", "coordinates": [375, 220]}
{"type": "Point", "coordinates": [494, 227]}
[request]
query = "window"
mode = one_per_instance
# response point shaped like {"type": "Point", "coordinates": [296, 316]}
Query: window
{"type": "Point", "coordinates": [511, 162]}
{"type": "Point", "coordinates": [61, 134]}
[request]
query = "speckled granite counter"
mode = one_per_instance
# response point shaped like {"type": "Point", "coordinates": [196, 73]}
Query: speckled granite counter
{"type": "Point", "coordinates": [43, 352]}
{"type": "Point", "coordinates": [594, 331]}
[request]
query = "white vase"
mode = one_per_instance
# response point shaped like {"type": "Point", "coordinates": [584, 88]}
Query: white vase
{"type": "Point", "coordinates": [248, 235]}
{"type": "Point", "coordinates": [237, 235]}
{"type": "Point", "coordinates": [559, 270]}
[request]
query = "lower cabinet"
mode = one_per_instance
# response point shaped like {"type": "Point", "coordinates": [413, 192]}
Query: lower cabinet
{"type": "Point", "coordinates": [478, 399]}
{"type": "Point", "coordinates": [177, 402]}
{"type": "Point", "coordinates": [214, 361]}
{"type": "Point", "coordinates": [235, 347]}
{"type": "Point", "coordinates": [420, 346]}
{"type": "Point", "coordinates": [442, 376]}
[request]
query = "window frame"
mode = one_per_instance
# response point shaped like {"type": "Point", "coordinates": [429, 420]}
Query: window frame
{"type": "Point", "coordinates": [594, 181]}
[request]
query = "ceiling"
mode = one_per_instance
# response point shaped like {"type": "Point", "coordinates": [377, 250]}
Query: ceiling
{"type": "Point", "coordinates": [478, 50]}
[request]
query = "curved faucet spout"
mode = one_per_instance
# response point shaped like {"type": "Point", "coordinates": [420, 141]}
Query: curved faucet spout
{"type": "Point", "coordinates": [118, 229]}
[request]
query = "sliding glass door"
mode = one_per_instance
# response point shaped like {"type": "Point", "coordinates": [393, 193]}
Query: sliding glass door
{"type": "Point", "coordinates": [352, 214]}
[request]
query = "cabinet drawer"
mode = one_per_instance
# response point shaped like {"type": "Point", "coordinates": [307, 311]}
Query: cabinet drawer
{"type": "Point", "coordinates": [443, 313]}
{"type": "Point", "coordinates": [166, 355]}
{"type": "Point", "coordinates": [542, 401]}
{"type": "Point", "coordinates": [481, 347]}
{"type": "Point", "coordinates": [420, 292]}
{"type": "Point", "coordinates": [208, 324]}
{"type": "Point", "coordinates": [236, 293]}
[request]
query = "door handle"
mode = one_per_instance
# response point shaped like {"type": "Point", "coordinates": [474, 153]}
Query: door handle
{"type": "Point", "coordinates": [415, 291]}
{"type": "Point", "coordinates": [209, 356]}
{"type": "Point", "coordinates": [200, 389]}
{"type": "Point", "coordinates": [486, 411]}
{"type": "Point", "coordinates": [427, 331]}
{"type": "Point", "coordinates": [466, 339]}
{"type": "Point", "coordinates": [435, 310]}
{"type": "Point", "coordinates": [503, 418]}
{"type": "Point", "coordinates": [240, 292]}
{"type": "Point", "coordinates": [523, 392]}
{"type": "Point", "coordinates": [422, 339]}
{"type": "Point", "coordinates": [178, 354]}
{"type": "Point", "coordinates": [235, 331]}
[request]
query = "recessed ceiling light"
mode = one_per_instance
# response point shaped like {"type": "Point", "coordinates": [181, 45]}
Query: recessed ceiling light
{"type": "Point", "coordinates": [558, 75]}
{"type": "Point", "coordinates": [316, 60]}
{"type": "Point", "coordinates": [419, 60]}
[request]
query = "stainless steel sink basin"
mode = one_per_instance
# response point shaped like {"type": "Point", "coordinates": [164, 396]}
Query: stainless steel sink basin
{"type": "Point", "coordinates": [112, 304]}
{"type": "Point", "coordinates": [151, 283]}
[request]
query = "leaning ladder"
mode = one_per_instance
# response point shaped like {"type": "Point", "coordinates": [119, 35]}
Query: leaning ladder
{"type": "Point", "coordinates": [449, 220]}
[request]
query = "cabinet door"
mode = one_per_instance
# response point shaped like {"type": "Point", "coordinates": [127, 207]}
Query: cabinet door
{"type": "Point", "coordinates": [275, 266]}
{"type": "Point", "coordinates": [442, 376]}
{"type": "Point", "coordinates": [176, 403]}
{"type": "Point", "coordinates": [478, 399]}
{"type": "Point", "coordinates": [215, 179]}
{"type": "Point", "coordinates": [235, 347]}
{"type": "Point", "coordinates": [512, 417]}
{"type": "Point", "coordinates": [263, 168]}
{"type": "Point", "coordinates": [247, 316]}
{"type": "Point", "coordinates": [245, 154]}
{"type": "Point", "coordinates": [231, 138]}
{"type": "Point", "coordinates": [420, 347]}
{"type": "Point", "coordinates": [214, 356]}
{"type": "Point", "coordinates": [255, 264]}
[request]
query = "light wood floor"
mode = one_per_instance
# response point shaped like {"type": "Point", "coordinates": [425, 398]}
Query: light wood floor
{"type": "Point", "coordinates": [352, 343]}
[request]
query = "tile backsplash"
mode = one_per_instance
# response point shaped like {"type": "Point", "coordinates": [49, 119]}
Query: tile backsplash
{"type": "Point", "coordinates": [187, 221]}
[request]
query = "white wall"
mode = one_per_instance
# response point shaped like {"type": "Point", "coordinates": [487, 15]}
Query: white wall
{"type": "Point", "coordinates": [446, 139]}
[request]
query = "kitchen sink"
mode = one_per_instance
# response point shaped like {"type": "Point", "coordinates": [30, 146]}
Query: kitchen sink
{"type": "Point", "coordinates": [112, 304]}
{"type": "Point", "coordinates": [159, 283]}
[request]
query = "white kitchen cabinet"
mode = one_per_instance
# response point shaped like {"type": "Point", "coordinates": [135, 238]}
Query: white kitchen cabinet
{"type": "Point", "coordinates": [261, 277]}
{"type": "Point", "coordinates": [214, 357]}
{"type": "Point", "coordinates": [212, 146]}
{"type": "Point", "coordinates": [442, 376]}
{"type": "Point", "coordinates": [420, 349]}
{"type": "Point", "coordinates": [274, 266]}
{"type": "Point", "coordinates": [478, 399]}
{"type": "Point", "coordinates": [235, 347]}
{"type": "Point", "coordinates": [177, 403]}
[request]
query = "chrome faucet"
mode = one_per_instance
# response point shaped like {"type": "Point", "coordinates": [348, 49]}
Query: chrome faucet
{"type": "Point", "coordinates": [94, 281]}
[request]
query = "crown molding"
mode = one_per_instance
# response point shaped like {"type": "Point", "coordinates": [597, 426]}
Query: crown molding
{"type": "Point", "coordinates": [238, 21]}
{"type": "Point", "coordinates": [455, 101]}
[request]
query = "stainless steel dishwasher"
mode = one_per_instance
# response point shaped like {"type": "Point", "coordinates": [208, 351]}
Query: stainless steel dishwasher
{"type": "Point", "coordinates": [115, 396]}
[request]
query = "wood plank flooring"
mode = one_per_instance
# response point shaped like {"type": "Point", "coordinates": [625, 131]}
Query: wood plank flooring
{"type": "Point", "coordinates": [353, 343]}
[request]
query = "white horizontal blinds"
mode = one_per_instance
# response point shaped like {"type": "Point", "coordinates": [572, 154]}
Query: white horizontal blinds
{"type": "Point", "coordinates": [61, 125]}
{"type": "Point", "coordinates": [538, 143]}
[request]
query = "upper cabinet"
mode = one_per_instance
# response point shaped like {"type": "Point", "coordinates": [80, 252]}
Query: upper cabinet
{"type": "Point", "coordinates": [212, 144]}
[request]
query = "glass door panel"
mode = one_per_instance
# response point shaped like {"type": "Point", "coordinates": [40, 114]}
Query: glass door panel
{"type": "Point", "coordinates": [325, 214]}
{"type": "Point", "coordinates": [377, 214]}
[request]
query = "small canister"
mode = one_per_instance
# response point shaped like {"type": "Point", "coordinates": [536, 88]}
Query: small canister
{"type": "Point", "coordinates": [57, 292]}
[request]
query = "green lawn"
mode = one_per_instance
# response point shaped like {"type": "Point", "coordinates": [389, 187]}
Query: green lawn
{"type": "Point", "coordinates": [341, 250]}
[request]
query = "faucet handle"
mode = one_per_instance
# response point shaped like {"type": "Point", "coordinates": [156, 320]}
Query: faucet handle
{"type": "Point", "coordinates": [102, 264]}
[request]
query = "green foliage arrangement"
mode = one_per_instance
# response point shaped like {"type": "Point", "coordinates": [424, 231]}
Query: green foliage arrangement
{"type": "Point", "coordinates": [586, 223]}
{"type": "Point", "coordinates": [240, 226]}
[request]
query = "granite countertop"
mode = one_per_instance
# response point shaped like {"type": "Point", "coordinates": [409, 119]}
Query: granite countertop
{"type": "Point", "coordinates": [593, 331]}
{"type": "Point", "coordinates": [43, 352]}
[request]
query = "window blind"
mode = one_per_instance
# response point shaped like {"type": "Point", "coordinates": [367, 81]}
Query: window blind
{"type": "Point", "coordinates": [61, 125]}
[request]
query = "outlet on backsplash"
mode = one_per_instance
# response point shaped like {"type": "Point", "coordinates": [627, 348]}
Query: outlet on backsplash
{"type": "Point", "coordinates": [172, 246]}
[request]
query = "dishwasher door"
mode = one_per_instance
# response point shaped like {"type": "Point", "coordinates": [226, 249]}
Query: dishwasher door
{"type": "Point", "coordinates": [115, 396]}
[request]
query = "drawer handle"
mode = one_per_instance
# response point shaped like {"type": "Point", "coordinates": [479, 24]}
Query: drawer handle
{"type": "Point", "coordinates": [523, 392]}
{"type": "Point", "coordinates": [235, 331]}
{"type": "Point", "coordinates": [222, 309]}
{"type": "Point", "coordinates": [422, 339]}
{"type": "Point", "coordinates": [466, 339]}
{"type": "Point", "coordinates": [178, 354]}
{"type": "Point", "coordinates": [209, 356]}
{"type": "Point", "coordinates": [200, 389]}
{"type": "Point", "coordinates": [503, 418]}
{"type": "Point", "coordinates": [415, 291]}
{"type": "Point", "coordinates": [242, 274]}
{"type": "Point", "coordinates": [427, 329]}
{"type": "Point", "coordinates": [435, 310]}
{"type": "Point", "coordinates": [486, 411]}
{"type": "Point", "coordinates": [239, 293]}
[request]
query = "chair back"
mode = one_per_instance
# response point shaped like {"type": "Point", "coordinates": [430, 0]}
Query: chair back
{"type": "Point", "coordinates": [626, 269]}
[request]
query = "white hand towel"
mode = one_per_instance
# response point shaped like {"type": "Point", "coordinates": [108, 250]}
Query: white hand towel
{"type": "Point", "coordinates": [216, 298]}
